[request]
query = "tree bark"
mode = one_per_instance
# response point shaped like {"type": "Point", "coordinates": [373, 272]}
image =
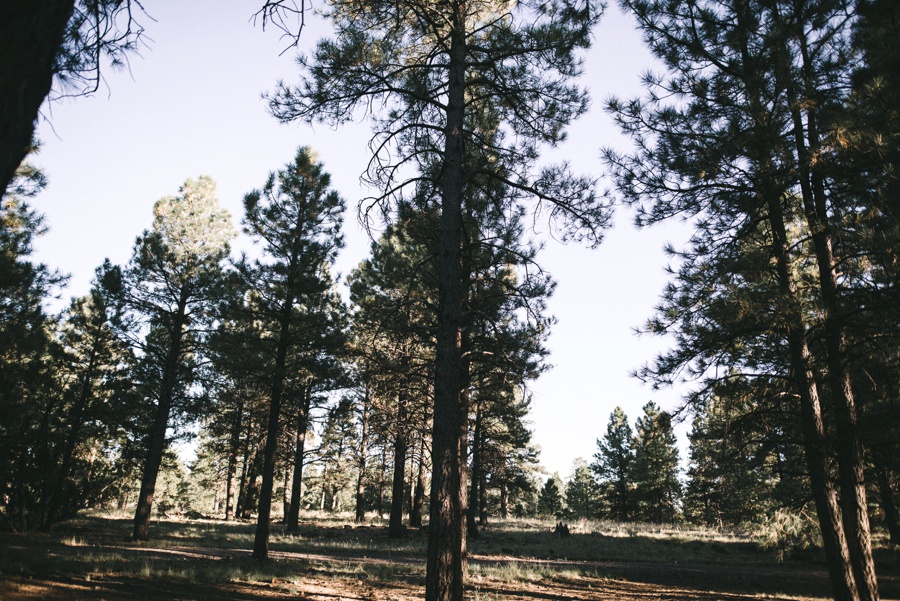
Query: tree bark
{"type": "Point", "coordinates": [31, 36]}
{"type": "Point", "coordinates": [395, 523]}
{"type": "Point", "coordinates": [444, 580]}
{"type": "Point", "coordinates": [361, 463]}
{"type": "Point", "coordinates": [157, 436]}
{"type": "Point", "coordinates": [293, 514]}
{"type": "Point", "coordinates": [836, 550]}
{"type": "Point", "coordinates": [261, 540]}
{"type": "Point", "coordinates": [770, 193]}
{"type": "Point", "coordinates": [233, 450]}
{"type": "Point", "coordinates": [418, 504]}
{"type": "Point", "coordinates": [851, 466]}
{"type": "Point", "coordinates": [474, 489]}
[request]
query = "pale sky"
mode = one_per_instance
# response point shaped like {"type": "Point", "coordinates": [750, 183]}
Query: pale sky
{"type": "Point", "coordinates": [191, 105]}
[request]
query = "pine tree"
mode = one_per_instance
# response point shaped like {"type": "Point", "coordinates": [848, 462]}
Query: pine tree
{"type": "Point", "coordinates": [746, 151]}
{"type": "Point", "coordinates": [613, 463]}
{"type": "Point", "coordinates": [450, 76]}
{"type": "Point", "coordinates": [172, 285]}
{"type": "Point", "coordinates": [582, 496]}
{"type": "Point", "coordinates": [297, 220]}
{"type": "Point", "coordinates": [550, 500]}
{"type": "Point", "coordinates": [93, 364]}
{"type": "Point", "coordinates": [24, 346]}
{"type": "Point", "coordinates": [654, 470]}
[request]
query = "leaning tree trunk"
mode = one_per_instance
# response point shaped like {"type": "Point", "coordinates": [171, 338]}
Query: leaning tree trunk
{"type": "Point", "coordinates": [770, 193]}
{"type": "Point", "coordinates": [31, 36]}
{"type": "Point", "coordinates": [816, 448]}
{"type": "Point", "coordinates": [851, 465]}
{"type": "Point", "coordinates": [293, 513]}
{"type": "Point", "coordinates": [444, 580]}
{"type": "Point", "coordinates": [157, 436]}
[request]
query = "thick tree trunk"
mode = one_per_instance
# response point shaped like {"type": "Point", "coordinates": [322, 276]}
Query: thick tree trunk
{"type": "Point", "coordinates": [31, 36]}
{"type": "Point", "coordinates": [361, 463]}
{"type": "Point", "coordinates": [261, 541]}
{"type": "Point", "coordinates": [157, 436]}
{"type": "Point", "coordinates": [293, 514]}
{"type": "Point", "coordinates": [444, 578]}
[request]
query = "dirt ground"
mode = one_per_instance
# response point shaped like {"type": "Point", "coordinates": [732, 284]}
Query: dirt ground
{"type": "Point", "coordinates": [46, 571]}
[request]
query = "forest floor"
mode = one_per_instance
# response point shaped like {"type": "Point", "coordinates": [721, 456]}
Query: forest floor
{"type": "Point", "coordinates": [331, 559]}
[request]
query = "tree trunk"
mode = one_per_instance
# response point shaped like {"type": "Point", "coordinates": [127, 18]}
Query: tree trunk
{"type": "Point", "coordinates": [482, 500]}
{"type": "Point", "coordinates": [381, 483]}
{"type": "Point", "coordinates": [245, 472]}
{"type": "Point", "coordinates": [395, 524]}
{"type": "Point", "coordinates": [261, 541]}
{"type": "Point", "coordinates": [233, 450]}
{"type": "Point", "coordinates": [251, 493]}
{"type": "Point", "coordinates": [770, 192]}
{"type": "Point", "coordinates": [293, 515]}
{"type": "Point", "coordinates": [851, 466]}
{"type": "Point", "coordinates": [361, 463]}
{"type": "Point", "coordinates": [474, 490]}
{"type": "Point", "coordinates": [836, 550]}
{"type": "Point", "coordinates": [157, 436]}
{"type": "Point", "coordinates": [886, 488]}
{"type": "Point", "coordinates": [504, 500]}
{"type": "Point", "coordinates": [31, 36]}
{"type": "Point", "coordinates": [418, 504]}
{"type": "Point", "coordinates": [444, 579]}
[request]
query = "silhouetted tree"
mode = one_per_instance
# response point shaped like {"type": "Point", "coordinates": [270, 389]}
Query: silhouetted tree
{"type": "Point", "coordinates": [173, 284]}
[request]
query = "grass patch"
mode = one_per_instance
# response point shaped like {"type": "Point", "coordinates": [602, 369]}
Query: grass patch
{"type": "Point", "coordinates": [507, 555]}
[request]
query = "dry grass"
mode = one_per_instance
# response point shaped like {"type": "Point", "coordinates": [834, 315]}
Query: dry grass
{"type": "Point", "coordinates": [513, 559]}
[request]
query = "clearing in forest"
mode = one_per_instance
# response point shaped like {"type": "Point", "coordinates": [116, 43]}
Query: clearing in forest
{"type": "Point", "coordinates": [332, 559]}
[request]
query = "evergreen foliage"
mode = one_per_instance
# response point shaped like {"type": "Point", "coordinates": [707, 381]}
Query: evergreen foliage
{"type": "Point", "coordinates": [582, 499]}
{"type": "Point", "coordinates": [654, 471]}
{"type": "Point", "coordinates": [551, 501]}
{"type": "Point", "coordinates": [612, 466]}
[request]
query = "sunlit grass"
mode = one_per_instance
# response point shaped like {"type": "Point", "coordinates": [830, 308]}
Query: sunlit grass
{"type": "Point", "coordinates": [514, 552]}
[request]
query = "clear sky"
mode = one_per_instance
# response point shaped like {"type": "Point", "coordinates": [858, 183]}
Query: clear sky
{"type": "Point", "coordinates": [191, 105]}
